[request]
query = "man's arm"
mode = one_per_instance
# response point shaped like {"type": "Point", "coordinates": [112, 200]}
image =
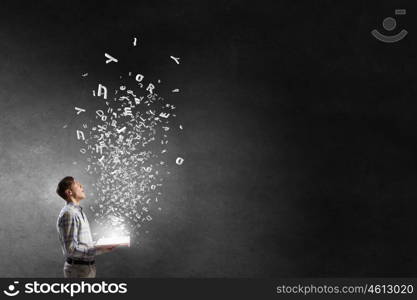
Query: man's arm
{"type": "Point", "coordinates": [69, 228]}
{"type": "Point", "coordinates": [104, 249]}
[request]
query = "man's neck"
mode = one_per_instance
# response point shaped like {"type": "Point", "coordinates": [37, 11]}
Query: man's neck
{"type": "Point", "coordinates": [74, 201]}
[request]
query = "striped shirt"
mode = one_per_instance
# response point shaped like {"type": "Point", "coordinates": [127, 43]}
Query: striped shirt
{"type": "Point", "coordinates": [74, 233]}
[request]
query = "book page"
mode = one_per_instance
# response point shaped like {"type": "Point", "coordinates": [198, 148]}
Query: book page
{"type": "Point", "coordinates": [118, 240]}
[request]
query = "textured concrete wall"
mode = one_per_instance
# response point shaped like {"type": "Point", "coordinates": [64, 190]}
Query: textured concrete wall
{"type": "Point", "coordinates": [298, 140]}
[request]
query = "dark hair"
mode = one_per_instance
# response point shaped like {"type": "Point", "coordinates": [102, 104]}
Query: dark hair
{"type": "Point", "coordinates": [63, 185]}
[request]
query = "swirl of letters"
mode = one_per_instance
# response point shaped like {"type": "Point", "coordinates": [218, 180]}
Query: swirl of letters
{"type": "Point", "coordinates": [125, 147]}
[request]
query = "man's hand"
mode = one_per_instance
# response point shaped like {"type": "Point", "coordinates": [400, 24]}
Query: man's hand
{"type": "Point", "coordinates": [105, 248]}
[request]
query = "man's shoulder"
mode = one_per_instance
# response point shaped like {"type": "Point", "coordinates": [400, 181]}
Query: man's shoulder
{"type": "Point", "coordinates": [67, 217]}
{"type": "Point", "coordinates": [67, 211]}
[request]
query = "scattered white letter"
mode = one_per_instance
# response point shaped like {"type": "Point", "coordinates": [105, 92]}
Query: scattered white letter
{"type": "Point", "coordinates": [164, 115]}
{"type": "Point", "coordinates": [176, 59]}
{"type": "Point", "coordinates": [139, 77]}
{"type": "Point", "coordinates": [80, 135]}
{"type": "Point", "coordinates": [179, 160]}
{"type": "Point", "coordinates": [110, 58]}
{"type": "Point", "coordinates": [150, 88]}
{"type": "Point", "coordinates": [102, 90]}
{"type": "Point", "coordinates": [79, 110]}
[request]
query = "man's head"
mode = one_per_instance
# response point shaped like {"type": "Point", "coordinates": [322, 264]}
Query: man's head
{"type": "Point", "coordinates": [70, 189]}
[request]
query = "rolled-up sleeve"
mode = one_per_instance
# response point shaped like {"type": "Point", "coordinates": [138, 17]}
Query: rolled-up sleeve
{"type": "Point", "coordinates": [69, 225]}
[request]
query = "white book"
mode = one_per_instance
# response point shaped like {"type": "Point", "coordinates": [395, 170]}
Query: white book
{"type": "Point", "coordinates": [116, 241]}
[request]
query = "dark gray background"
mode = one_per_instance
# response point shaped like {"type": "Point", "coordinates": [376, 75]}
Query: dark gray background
{"type": "Point", "coordinates": [299, 138]}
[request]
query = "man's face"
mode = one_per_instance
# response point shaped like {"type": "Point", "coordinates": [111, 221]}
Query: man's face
{"type": "Point", "coordinates": [77, 190]}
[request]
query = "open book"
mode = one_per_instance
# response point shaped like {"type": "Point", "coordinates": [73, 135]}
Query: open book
{"type": "Point", "coordinates": [116, 241]}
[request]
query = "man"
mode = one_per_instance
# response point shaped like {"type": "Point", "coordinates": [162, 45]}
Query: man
{"type": "Point", "coordinates": [74, 232]}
